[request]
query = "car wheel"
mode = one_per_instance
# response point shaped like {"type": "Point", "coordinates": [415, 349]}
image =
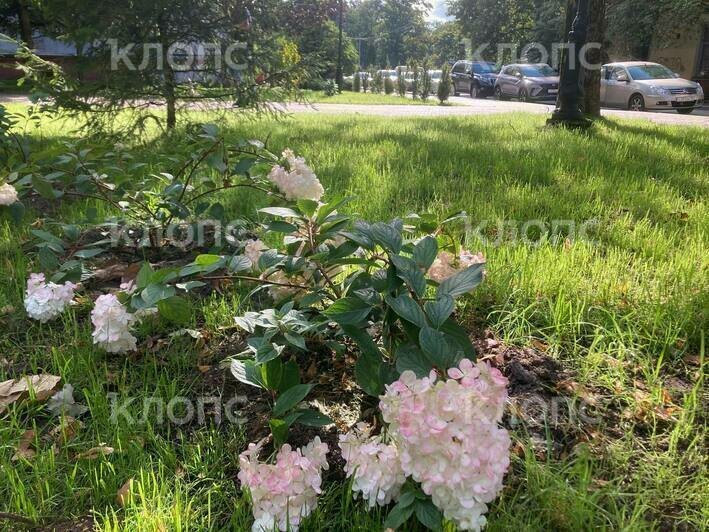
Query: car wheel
{"type": "Point", "coordinates": [637, 103]}
{"type": "Point", "coordinates": [685, 111]}
{"type": "Point", "coordinates": [498, 94]}
{"type": "Point", "coordinates": [474, 92]}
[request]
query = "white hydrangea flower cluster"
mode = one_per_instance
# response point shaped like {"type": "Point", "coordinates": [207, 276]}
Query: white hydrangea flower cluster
{"type": "Point", "coordinates": [285, 492]}
{"type": "Point", "coordinates": [298, 183]}
{"type": "Point", "coordinates": [449, 439]}
{"type": "Point", "coordinates": [45, 301]}
{"type": "Point", "coordinates": [445, 264]}
{"type": "Point", "coordinates": [112, 323]}
{"type": "Point", "coordinates": [8, 194]}
{"type": "Point", "coordinates": [253, 250]}
{"type": "Point", "coordinates": [373, 465]}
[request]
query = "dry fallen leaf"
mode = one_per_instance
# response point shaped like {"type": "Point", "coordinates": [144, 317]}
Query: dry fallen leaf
{"type": "Point", "coordinates": [95, 452]}
{"type": "Point", "coordinates": [204, 369]}
{"type": "Point", "coordinates": [24, 448]}
{"type": "Point", "coordinates": [574, 388]}
{"type": "Point", "coordinates": [540, 346]}
{"type": "Point", "coordinates": [124, 494]}
{"type": "Point", "coordinates": [64, 432]}
{"type": "Point", "coordinates": [13, 391]}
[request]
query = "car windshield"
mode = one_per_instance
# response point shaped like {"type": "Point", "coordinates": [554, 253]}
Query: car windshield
{"type": "Point", "coordinates": [484, 68]}
{"type": "Point", "coordinates": [650, 72]}
{"type": "Point", "coordinates": [537, 71]}
{"type": "Point", "coordinates": [436, 74]}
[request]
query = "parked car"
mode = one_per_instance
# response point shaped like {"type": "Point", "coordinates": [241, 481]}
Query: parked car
{"type": "Point", "coordinates": [391, 74]}
{"type": "Point", "coordinates": [477, 78]}
{"type": "Point", "coordinates": [436, 76]}
{"type": "Point", "coordinates": [637, 86]}
{"type": "Point", "coordinates": [527, 82]}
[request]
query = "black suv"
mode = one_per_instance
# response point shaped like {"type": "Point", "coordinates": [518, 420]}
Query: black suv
{"type": "Point", "coordinates": [474, 77]}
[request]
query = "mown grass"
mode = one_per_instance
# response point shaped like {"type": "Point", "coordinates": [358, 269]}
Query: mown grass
{"type": "Point", "coordinates": [624, 308]}
{"type": "Point", "coordinates": [365, 98]}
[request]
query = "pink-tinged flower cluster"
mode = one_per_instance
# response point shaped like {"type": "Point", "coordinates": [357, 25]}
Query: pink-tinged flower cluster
{"type": "Point", "coordinates": [373, 465]}
{"type": "Point", "coordinates": [8, 194]}
{"type": "Point", "coordinates": [45, 301]}
{"type": "Point", "coordinates": [449, 439]}
{"type": "Point", "coordinates": [285, 492]}
{"type": "Point", "coordinates": [112, 323]}
{"type": "Point", "coordinates": [300, 182]}
{"type": "Point", "coordinates": [446, 264]}
{"type": "Point", "coordinates": [253, 250]}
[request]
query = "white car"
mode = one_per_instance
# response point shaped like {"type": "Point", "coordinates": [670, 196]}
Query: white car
{"type": "Point", "coordinates": [639, 85]}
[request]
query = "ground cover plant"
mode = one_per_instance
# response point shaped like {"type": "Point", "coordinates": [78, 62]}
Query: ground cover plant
{"type": "Point", "coordinates": [614, 317]}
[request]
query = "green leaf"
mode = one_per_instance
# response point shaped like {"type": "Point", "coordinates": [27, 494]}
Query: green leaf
{"type": "Point", "coordinates": [429, 516]}
{"type": "Point", "coordinates": [281, 212]}
{"type": "Point", "coordinates": [164, 275]}
{"type": "Point", "coordinates": [175, 309]}
{"type": "Point", "coordinates": [44, 188]}
{"type": "Point", "coordinates": [308, 207]}
{"type": "Point", "coordinates": [190, 285]}
{"type": "Point", "coordinates": [462, 282]}
{"type": "Point", "coordinates": [425, 252]}
{"type": "Point", "coordinates": [410, 358]}
{"type": "Point", "coordinates": [153, 293]}
{"type": "Point", "coordinates": [144, 275]}
{"type": "Point", "coordinates": [17, 211]}
{"type": "Point", "coordinates": [290, 398]}
{"type": "Point", "coordinates": [439, 311]}
{"type": "Point", "coordinates": [279, 429]}
{"type": "Point", "coordinates": [278, 226]}
{"type": "Point", "coordinates": [272, 373]}
{"type": "Point", "coordinates": [348, 311]}
{"type": "Point", "coordinates": [313, 418]}
{"type": "Point", "coordinates": [207, 260]}
{"type": "Point", "coordinates": [88, 253]}
{"type": "Point", "coordinates": [54, 242]}
{"type": "Point", "coordinates": [244, 165]}
{"type": "Point", "coordinates": [47, 259]}
{"type": "Point", "coordinates": [239, 263]}
{"type": "Point", "coordinates": [407, 270]}
{"type": "Point", "coordinates": [459, 340]}
{"type": "Point", "coordinates": [291, 376]}
{"type": "Point", "coordinates": [398, 516]}
{"type": "Point", "coordinates": [247, 372]}
{"type": "Point", "coordinates": [387, 236]}
{"type": "Point", "coordinates": [434, 345]}
{"type": "Point", "coordinates": [268, 351]}
{"type": "Point", "coordinates": [407, 309]}
{"type": "Point", "coordinates": [368, 368]}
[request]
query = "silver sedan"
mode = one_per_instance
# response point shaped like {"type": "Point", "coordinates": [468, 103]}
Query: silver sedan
{"type": "Point", "coordinates": [639, 85]}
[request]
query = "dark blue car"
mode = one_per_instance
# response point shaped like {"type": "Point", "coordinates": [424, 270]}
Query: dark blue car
{"type": "Point", "coordinates": [477, 78]}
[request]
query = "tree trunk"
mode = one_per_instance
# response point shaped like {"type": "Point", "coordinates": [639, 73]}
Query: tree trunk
{"type": "Point", "coordinates": [25, 23]}
{"type": "Point", "coordinates": [338, 73]}
{"type": "Point", "coordinates": [595, 57]}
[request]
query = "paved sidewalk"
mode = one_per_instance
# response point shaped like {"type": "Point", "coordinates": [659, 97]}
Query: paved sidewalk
{"type": "Point", "coordinates": [465, 107]}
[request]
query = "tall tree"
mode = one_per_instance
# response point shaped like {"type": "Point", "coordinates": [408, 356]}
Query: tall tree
{"type": "Point", "coordinates": [596, 57]}
{"type": "Point", "coordinates": [131, 54]}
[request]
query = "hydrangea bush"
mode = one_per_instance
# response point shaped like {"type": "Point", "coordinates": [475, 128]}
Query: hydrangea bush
{"type": "Point", "coordinates": [385, 291]}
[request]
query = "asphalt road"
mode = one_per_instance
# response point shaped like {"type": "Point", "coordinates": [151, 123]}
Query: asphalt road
{"type": "Point", "coordinates": [466, 106]}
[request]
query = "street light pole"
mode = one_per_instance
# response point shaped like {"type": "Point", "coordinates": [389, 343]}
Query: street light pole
{"type": "Point", "coordinates": [569, 112]}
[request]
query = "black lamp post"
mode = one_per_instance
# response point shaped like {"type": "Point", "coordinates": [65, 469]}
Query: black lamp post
{"type": "Point", "coordinates": [569, 104]}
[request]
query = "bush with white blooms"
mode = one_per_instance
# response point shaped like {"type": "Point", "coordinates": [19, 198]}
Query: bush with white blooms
{"type": "Point", "coordinates": [385, 292]}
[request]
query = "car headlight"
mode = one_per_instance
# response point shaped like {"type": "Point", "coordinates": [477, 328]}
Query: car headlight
{"type": "Point", "coordinates": [659, 91]}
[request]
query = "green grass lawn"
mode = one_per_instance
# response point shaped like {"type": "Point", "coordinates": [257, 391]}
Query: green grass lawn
{"type": "Point", "coordinates": [625, 309]}
{"type": "Point", "coordinates": [365, 98]}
